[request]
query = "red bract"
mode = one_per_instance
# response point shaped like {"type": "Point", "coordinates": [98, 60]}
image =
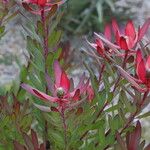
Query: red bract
{"type": "Point", "coordinates": [125, 39]}
{"type": "Point", "coordinates": [42, 4]}
{"type": "Point", "coordinates": [133, 138]}
{"type": "Point", "coordinates": [60, 90]}
{"type": "Point", "coordinates": [37, 2]}
{"type": "Point", "coordinates": [142, 72]}
{"type": "Point", "coordinates": [90, 93]}
{"type": "Point", "coordinates": [99, 45]}
{"type": "Point", "coordinates": [129, 37]}
{"type": "Point", "coordinates": [143, 68]}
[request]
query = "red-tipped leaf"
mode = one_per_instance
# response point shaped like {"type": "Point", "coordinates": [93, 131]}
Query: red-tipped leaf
{"type": "Point", "coordinates": [43, 108]}
{"type": "Point", "coordinates": [115, 26]}
{"type": "Point", "coordinates": [130, 79]}
{"type": "Point", "coordinates": [147, 66]}
{"type": "Point", "coordinates": [107, 32]}
{"type": "Point", "coordinates": [138, 57]}
{"type": "Point", "coordinates": [100, 47]}
{"type": "Point", "coordinates": [130, 30]}
{"type": "Point", "coordinates": [76, 95]}
{"type": "Point", "coordinates": [34, 139]}
{"type": "Point", "coordinates": [37, 93]}
{"type": "Point", "coordinates": [134, 138]}
{"type": "Point", "coordinates": [143, 29]}
{"type": "Point", "coordinates": [141, 71]}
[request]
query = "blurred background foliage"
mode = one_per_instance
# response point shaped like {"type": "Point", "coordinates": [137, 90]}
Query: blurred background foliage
{"type": "Point", "coordinates": [88, 16]}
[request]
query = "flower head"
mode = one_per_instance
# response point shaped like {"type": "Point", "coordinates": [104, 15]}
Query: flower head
{"type": "Point", "coordinates": [60, 89]}
{"type": "Point", "coordinates": [125, 38]}
{"type": "Point", "coordinates": [42, 4]}
{"type": "Point", "coordinates": [99, 45]}
{"type": "Point", "coordinates": [129, 37]}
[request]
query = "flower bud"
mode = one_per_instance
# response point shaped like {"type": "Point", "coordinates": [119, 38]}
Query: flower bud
{"type": "Point", "coordinates": [60, 92]}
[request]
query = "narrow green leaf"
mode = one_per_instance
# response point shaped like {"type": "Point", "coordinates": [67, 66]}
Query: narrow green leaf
{"type": "Point", "coordinates": [102, 98]}
{"type": "Point", "coordinates": [54, 38]}
{"type": "Point", "coordinates": [99, 8]}
{"type": "Point", "coordinates": [147, 114]}
{"type": "Point", "coordinates": [40, 30]}
{"type": "Point", "coordinates": [57, 53]}
{"type": "Point", "coordinates": [38, 61]}
{"type": "Point", "coordinates": [2, 29]}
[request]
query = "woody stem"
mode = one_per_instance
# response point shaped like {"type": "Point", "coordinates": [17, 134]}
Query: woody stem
{"type": "Point", "coordinates": [45, 54]}
{"type": "Point", "coordinates": [101, 72]}
{"type": "Point", "coordinates": [131, 118]}
{"type": "Point", "coordinates": [45, 35]}
{"type": "Point", "coordinates": [125, 59]}
{"type": "Point", "coordinates": [65, 127]}
{"type": "Point", "coordinates": [123, 66]}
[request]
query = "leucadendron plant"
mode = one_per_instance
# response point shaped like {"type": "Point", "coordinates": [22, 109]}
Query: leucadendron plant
{"type": "Point", "coordinates": [124, 72]}
{"type": "Point", "coordinates": [101, 109]}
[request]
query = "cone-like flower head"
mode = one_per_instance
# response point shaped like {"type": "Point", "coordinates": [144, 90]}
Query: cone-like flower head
{"type": "Point", "coordinates": [60, 89]}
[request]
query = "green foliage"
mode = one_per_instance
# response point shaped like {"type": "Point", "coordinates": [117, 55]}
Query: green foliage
{"type": "Point", "coordinates": [100, 123]}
